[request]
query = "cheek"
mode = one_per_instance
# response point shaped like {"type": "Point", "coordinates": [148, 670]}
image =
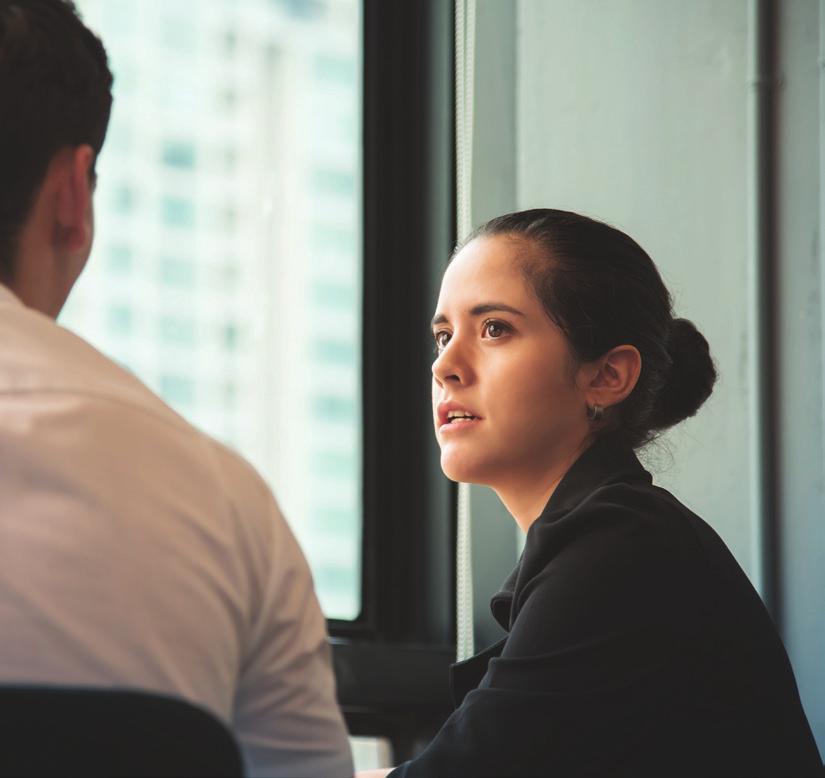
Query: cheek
{"type": "Point", "coordinates": [536, 394]}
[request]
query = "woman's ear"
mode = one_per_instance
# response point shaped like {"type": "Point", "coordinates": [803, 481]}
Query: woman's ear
{"type": "Point", "coordinates": [615, 376]}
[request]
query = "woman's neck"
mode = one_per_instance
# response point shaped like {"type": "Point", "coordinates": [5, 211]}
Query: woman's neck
{"type": "Point", "coordinates": [525, 495]}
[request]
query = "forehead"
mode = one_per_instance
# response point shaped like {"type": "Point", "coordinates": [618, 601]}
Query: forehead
{"type": "Point", "coordinates": [487, 267]}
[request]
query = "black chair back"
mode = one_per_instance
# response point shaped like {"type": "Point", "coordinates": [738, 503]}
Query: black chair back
{"type": "Point", "coordinates": [58, 731]}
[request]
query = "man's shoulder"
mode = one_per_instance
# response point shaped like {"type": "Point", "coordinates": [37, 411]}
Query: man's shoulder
{"type": "Point", "coordinates": [42, 361]}
{"type": "Point", "coordinates": [39, 355]}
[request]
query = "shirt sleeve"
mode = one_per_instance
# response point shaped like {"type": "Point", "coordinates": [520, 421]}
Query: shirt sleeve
{"type": "Point", "coordinates": [286, 715]}
{"type": "Point", "coordinates": [587, 666]}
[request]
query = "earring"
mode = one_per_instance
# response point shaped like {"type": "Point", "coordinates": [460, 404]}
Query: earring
{"type": "Point", "coordinates": [595, 412]}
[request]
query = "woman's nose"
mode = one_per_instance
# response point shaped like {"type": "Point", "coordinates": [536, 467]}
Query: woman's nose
{"type": "Point", "coordinates": [449, 367]}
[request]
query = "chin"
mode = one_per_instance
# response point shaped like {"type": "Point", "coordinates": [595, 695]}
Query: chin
{"type": "Point", "coordinates": [463, 470]}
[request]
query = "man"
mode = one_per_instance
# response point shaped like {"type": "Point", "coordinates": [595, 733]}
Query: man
{"type": "Point", "coordinates": [134, 550]}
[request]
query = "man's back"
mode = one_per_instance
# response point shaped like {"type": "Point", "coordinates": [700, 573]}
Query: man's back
{"type": "Point", "coordinates": [137, 552]}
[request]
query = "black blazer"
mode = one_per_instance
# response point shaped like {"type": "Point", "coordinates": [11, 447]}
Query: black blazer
{"type": "Point", "coordinates": [636, 645]}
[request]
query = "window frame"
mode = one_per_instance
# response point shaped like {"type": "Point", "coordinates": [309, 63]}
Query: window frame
{"type": "Point", "coordinates": [392, 661]}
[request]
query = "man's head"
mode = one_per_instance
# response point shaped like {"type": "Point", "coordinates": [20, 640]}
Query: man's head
{"type": "Point", "coordinates": [55, 99]}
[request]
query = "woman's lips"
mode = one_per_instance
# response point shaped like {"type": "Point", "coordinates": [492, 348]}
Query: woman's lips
{"type": "Point", "coordinates": [449, 410]}
{"type": "Point", "coordinates": [458, 426]}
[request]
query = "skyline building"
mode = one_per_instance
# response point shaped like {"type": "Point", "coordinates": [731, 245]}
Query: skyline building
{"type": "Point", "coordinates": [226, 269]}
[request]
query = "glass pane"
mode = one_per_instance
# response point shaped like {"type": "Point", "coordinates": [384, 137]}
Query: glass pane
{"type": "Point", "coordinates": [371, 753]}
{"type": "Point", "coordinates": [226, 271]}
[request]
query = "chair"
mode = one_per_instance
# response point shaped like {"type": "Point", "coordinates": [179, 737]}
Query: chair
{"type": "Point", "coordinates": [67, 731]}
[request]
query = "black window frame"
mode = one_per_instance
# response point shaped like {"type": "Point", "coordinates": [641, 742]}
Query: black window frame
{"type": "Point", "coordinates": [392, 661]}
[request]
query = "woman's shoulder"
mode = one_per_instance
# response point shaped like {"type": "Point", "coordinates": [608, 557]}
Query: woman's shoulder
{"type": "Point", "coordinates": [637, 518]}
{"type": "Point", "coordinates": [605, 574]}
{"type": "Point", "coordinates": [628, 548]}
{"type": "Point", "coordinates": [649, 523]}
{"type": "Point", "coordinates": [623, 542]}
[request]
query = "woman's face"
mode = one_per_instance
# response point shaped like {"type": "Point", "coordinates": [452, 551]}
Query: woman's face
{"type": "Point", "coordinates": [502, 361]}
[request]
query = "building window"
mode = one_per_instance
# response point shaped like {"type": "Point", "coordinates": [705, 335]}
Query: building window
{"type": "Point", "coordinates": [178, 154]}
{"type": "Point", "coordinates": [334, 182]}
{"type": "Point", "coordinates": [340, 70]}
{"type": "Point", "coordinates": [177, 212]}
{"type": "Point", "coordinates": [178, 390]}
{"type": "Point", "coordinates": [340, 352]}
{"type": "Point", "coordinates": [330, 407]}
{"type": "Point", "coordinates": [329, 295]}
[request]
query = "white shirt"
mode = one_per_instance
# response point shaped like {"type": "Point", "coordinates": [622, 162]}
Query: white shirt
{"type": "Point", "coordinates": [137, 552]}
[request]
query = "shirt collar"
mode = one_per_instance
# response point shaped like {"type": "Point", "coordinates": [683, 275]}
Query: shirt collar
{"type": "Point", "coordinates": [7, 297]}
{"type": "Point", "coordinates": [610, 459]}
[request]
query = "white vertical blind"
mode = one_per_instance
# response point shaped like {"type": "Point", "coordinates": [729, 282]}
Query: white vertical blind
{"type": "Point", "coordinates": [465, 57]}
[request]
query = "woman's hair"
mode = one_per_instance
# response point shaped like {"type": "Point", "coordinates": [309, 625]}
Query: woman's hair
{"type": "Point", "coordinates": [603, 290]}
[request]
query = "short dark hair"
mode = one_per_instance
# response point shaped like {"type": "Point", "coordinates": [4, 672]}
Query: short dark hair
{"type": "Point", "coordinates": [603, 290]}
{"type": "Point", "coordinates": [55, 91]}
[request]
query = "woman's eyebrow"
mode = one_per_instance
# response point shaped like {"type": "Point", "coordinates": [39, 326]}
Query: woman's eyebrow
{"type": "Point", "coordinates": [478, 310]}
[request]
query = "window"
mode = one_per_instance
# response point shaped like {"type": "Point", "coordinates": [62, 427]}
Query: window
{"type": "Point", "coordinates": [334, 182]}
{"type": "Point", "coordinates": [178, 154]}
{"type": "Point", "coordinates": [330, 407]}
{"type": "Point", "coordinates": [340, 352]}
{"type": "Point", "coordinates": [230, 336]}
{"type": "Point", "coordinates": [336, 69]}
{"type": "Point", "coordinates": [329, 295]}
{"type": "Point", "coordinates": [177, 212]}
{"type": "Point", "coordinates": [227, 288]}
{"type": "Point", "coordinates": [177, 390]}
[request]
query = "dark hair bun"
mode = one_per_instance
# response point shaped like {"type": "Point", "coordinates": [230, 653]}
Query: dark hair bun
{"type": "Point", "coordinates": [690, 379]}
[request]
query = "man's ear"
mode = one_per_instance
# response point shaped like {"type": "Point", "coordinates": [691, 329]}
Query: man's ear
{"type": "Point", "coordinates": [615, 376]}
{"type": "Point", "coordinates": [74, 200]}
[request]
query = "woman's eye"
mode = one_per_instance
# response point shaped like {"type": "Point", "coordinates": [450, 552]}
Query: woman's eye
{"type": "Point", "coordinates": [442, 338]}
{"type": "Point", "coordinates": [495, 329]}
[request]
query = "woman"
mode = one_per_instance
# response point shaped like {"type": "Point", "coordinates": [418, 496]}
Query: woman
{"type": "Point", "coordinates": [635, 642]}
